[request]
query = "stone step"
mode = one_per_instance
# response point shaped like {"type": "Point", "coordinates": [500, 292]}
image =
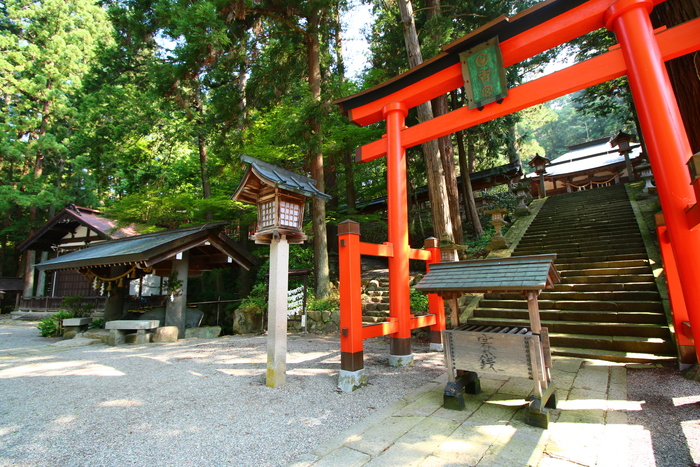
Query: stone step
{"type": "Point", "coordinates": [618, 295]}
{"type": "Point", "coordinates": [612, 355]}
{"type": "Point", "coordinates": [576, 327]}
{"type": "Point", "coordinates": [600, 258]}
{"type": "Point", "coordinates": [610, 278]}
{"type": "Point", "coordinates": [628, 263]}
{"type": "Point", "coordinates": [652, 345]}
{"type": "Point", "coordinates": [373, 319]}
{"type": "Point", "coordinates": [605, 271]}
{"type": "Point", "coordinates": [641, 317]}
{"type": "Point", "coordinates": [578, 305]}
{"type": "Point", "coordinates": [588, 245]}
{"type": "Point", "coordinates": [606, 287]}
{"type": "Point", "coordinates": [375, 306]}
{"type": "Point", "coordinates": [550, 226]}
{"type": "Point", "coordinates": [561, 256]}
{"type": "Point", "coordinates": [375, 313]}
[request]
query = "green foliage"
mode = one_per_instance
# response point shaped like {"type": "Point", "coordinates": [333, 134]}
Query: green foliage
{"type": "Point", "coordinates": [76, 307]}
{"type": "Point", "coordinates": [419, 300]}
{"type": "Point", "coordinates": [331, 303]}
{"type": "Point", "coordinates": [53, 326]}
{"type": "Point", "coordinates": [98, 323]}
{"type": "Point", "coordinates": [257, 298]}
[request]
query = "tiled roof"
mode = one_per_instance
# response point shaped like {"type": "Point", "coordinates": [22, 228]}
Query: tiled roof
{"type": "Point", "coordinates": [517, 273]}
{"type": "Point", "coordinates": [281, 178]}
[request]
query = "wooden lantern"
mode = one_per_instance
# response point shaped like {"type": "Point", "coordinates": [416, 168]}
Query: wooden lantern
{"type": "Point", "coordinates": [280, 196]}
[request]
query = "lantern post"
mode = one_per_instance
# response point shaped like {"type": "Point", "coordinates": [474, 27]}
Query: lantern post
{"type": "Point", "coordinates": [538, 162]}
{"type": "Point", "coordinates": [280, 196]}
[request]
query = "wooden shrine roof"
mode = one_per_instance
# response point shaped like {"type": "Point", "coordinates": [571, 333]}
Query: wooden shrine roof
{"type": "Point", "coordinates": [209, 249]}
{"type": "Point", "coordinates": [515, 274]}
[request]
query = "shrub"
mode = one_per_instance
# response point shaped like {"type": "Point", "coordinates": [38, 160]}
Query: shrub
{"type": "Point", "coordinates": [76, 307]}
{"type": "Point", "coordinates": [53, 326]}
{"type": "Point", "coordinates": [97, 324]}
{"type": "Point", "coordinates": [419, 300]}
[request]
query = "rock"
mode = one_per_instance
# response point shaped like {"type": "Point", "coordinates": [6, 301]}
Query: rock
{"type": "Point", "coordinates": [205, 332]}
{"type": "Point", "coordinates": [193, 316]}
{"type": "Point", "coordinates": [165, 334]}
{"type": "Point", "coordinates": [77, 342]}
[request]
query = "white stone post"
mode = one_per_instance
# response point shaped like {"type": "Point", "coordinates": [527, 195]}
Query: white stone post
{"type": "Point", "coordinates": [176, 305]}
{"type": "Point", "coordinates": [277, 313]}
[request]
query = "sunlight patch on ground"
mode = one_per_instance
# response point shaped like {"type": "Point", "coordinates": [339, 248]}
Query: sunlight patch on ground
{"type": "Point", "coordinates": [678, 401]}
{"type": "Point", "coordinates": [66, 419]}
{"type": "Point", "coordinates": [60, 369]}
{"type": "Point", "coordinates": [121, 403]}
{"type": "Point", "coordinates": [6, 430]}
{"type": "Point", "coordinates": [600, 404]}
{"type": "Point", "coordinates": [243, 371]}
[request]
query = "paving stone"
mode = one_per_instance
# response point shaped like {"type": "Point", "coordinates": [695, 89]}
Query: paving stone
{"type": "Point", "coordinates": [470, 406]}
{"type": "Point", "coordinates": [521, 445]}
{"type": "Point", "coordinates": [614, 447]}
{"type": "Point", "coordinates": [517, 387]}
{"type": "Point", "coordinates": [343, 456]}
{"type": "Point", "coordinates": [304, 460]}
{"type": "Point", "coordinates": [491, 412]}
{"type": "Point", "coordinates": [469, 442]}
{"type": "Point", "coordinates": [412, 448]}
{"type": "Point", "coordinates": [380, 437]}
{"type": "Point", "coordinates": [563, 379]}
{"type": "Point", "coordinates": [578, 394]}
{"type": "Point", "coordinates": [617, 392]}
{"type": "Point", "coordinates": [591, 379]}
{"type": "Point", "coordinates": [424, 405]}
{"type": "Point", "coordinates": [568, 364]}
{"type": "Point", "coordinates": [618, 375]}
{"type": "Point", "coordinates": [376, 419]}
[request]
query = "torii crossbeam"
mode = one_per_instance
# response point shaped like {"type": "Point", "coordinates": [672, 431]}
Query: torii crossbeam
{"type": "Point", "coordinates": [640, 55]}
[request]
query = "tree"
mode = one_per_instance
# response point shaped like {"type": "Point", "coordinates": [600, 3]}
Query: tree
{"type": "Point", "coordinates": [45, 50]}
{"type": "Point", "coordinates": [445, 226]}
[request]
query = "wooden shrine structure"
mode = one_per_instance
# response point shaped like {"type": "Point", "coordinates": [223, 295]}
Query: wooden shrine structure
{"type": "Point", "coordinates": [641, 55]}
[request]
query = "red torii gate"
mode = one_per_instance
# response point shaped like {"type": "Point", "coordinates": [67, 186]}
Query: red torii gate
{"type": "Point", "coordinates": [640, 55]}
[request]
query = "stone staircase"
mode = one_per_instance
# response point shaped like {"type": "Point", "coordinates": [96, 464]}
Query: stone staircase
{"type": "Point", "coordinates": [375, 300]}
{"type": "Point", "coordinates": [607, 305]}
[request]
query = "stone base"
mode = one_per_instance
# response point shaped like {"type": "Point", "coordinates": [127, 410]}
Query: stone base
{"type": "Point", "coordinates": [165, 334]}
{"type": "Point", "coordinates": [348, 381]}
{"type": "Point", "coordinates": [435, 347]}
{"type": "Point", "coordinates": [401, 360]}
{"type": "Point", "coordinates": [205, 332]}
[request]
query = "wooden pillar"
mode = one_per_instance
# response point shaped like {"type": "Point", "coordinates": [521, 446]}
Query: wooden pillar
{"type": "Point", "coordinates": [29, 260]}
{"type": "Point", "coordinates": [116, 299]}
{"type": "Point", "coordinates": [400, 353]}
{"type": "Point", "coordinates": [352, 366]}
{"type": "Point", "coordinates": [176, 305]}
{"type": "Point", "coordinates": [436, 304]}
{"type": "Point", "coordinates": [277, 313]}
{"type": "Point", "coordinates": [665, 137]}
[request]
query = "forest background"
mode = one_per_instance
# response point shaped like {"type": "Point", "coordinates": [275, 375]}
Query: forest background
{"type": "Point", "coordinates": [141, 109]}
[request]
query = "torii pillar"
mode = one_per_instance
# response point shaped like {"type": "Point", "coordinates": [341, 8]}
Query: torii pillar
{"type": "Point", "coordinates": [665, 137]}
{"type": "Point", "coordinates": [400, 353]}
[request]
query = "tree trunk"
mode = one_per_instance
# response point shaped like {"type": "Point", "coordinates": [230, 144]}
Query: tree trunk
{"type": "Point", "coordinates": [202, 147]}
{"type": "Point", "coordinates": [683, 71]}
{"type": "Point", "coordinates": [321, 268]}
{"type": "Point", "coordinates": [467, 191]}
{"type": "Point", "coordinates": [437, 188]}
{"type": "Point", "coordinates": [473, 214]}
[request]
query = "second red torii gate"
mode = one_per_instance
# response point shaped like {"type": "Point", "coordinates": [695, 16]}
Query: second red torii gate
{"type": "Point", "coordinates": [640, 55]}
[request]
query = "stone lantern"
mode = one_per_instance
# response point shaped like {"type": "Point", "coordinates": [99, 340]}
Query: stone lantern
{"type": "Point", "coordinates": [645, 174]}
{"type": "Point", "coordinates": [539, 163]}
{"type": "Point", "coordinates": [694, 169]}
{"type": "Point", "coordinates": [521, 190]}
{"type": "Point", "coordinates": [280, 196]}
{"type": "Point", "coordinates": [622, 142]}
{"type": "Point", "coordinates": [498, 242]}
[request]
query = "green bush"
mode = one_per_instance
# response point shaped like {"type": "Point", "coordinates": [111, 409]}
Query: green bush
{"type": "Point", "coordinates": [419, 300]}
{"type": "Point", "coordinates": [76, 307]}
{"type": "Point", "coordinates": [98, 323]}
{"type": "Point", "coordinates": [324, 304]}
{"type": "Point", "coordinates": [53, 326]}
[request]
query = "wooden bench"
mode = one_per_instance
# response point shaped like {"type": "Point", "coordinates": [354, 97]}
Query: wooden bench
{"type": "Point", "coordinates": [118, 330]}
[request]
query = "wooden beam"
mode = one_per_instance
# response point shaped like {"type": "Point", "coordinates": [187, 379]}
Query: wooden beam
{"type": "Point", "coordinates": [673, 43]}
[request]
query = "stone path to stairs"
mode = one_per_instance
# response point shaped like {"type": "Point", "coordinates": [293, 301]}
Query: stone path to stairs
{"type": "Point", "coordinates": [607, 305]}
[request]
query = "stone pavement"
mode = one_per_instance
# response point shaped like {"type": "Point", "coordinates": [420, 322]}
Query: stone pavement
{"type": "Point", "coordinates": [588, 428]}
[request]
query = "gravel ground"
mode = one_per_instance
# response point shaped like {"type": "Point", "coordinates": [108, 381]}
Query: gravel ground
{"type": "Point", "coordinates": [190, 403]}
{"type": "Point", "coordinates": [670, 414]}
{"type": "Point", "coordinates": [205, 403]}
